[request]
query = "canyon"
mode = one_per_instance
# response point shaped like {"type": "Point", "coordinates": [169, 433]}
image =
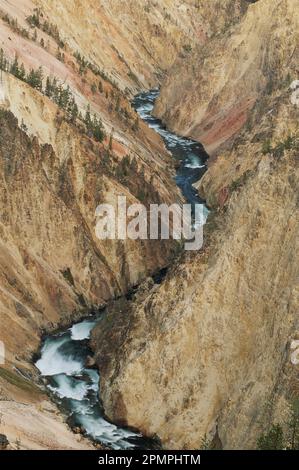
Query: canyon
{"type": "Point", "coordinates": [230, 73]}
{"type": "Point", "coordinates": [209, 348]}
{"type": "Point", "coordinates": [197, 356]}
{"type": "Point", "coordinates": [54, 270]}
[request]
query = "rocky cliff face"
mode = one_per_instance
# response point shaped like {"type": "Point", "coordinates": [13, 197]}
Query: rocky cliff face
{"type": "Point", "coordinates": [200, 353]}
{"type": "Point", "coordinates": [135, 41]}
{"type": "Point", "coordinates": [54, 174]}
{"type": "Point", "coordinates": [200, 357]}
{"type": "Point", "coordinates": [53, 267]}
{"type": "Point", "coordinates": [205, 351]}
{"type": "Point", "coordinates": [209, 95]}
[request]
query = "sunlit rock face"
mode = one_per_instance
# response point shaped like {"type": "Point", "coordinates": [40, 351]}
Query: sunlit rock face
{"type": "Point", "coordinates": [53, 267]}
{"type": "Point", "coordinates": [201, 353]}
{"type": "Point", "coordinates": [209, 95]}
{"type": "Point", "coordinates": [208, 349]}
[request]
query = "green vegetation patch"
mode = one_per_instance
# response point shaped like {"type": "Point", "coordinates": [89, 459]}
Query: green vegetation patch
{"type": "Point", "coordinates": [18, 381]}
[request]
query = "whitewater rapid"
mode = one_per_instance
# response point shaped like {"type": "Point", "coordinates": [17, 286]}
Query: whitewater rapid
{"type": "Point", "coordinates": [63, 357]}
{"type": "Point", "coordinates": [75, 387]}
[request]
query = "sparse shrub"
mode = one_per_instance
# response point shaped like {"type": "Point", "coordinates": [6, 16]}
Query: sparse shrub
{"type": "Point", "coordinates": [266, 147]}
{"type": "Point", "coordinates": [36, 20]}
{"type": "Point", "coordinates": [84, 64]}
{"type": "Point", "coordinates": [24, 127]}
{"type": "Point", "coordinates": [206, 443]}
{"type": "Point", "coordinates": [13, 23]}
{"type": "Point", "coordinates": [272, 440]}
{"type": "Point", "coordinates": [60, 55]}
{"type": "Point", "coordinates": [291, 142]}
{"type": "Point", "coordinates": [35, 78]}
{"type": "Point", "coordinates": [239, 182]}
{"type": "Point", "coordinates": [187, 48]}
{"type": "Point", "coordinates": [293, 427]}
{"type": "Point", "coordinates": [282, 437]}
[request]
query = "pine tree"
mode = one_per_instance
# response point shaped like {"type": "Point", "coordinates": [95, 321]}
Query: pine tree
{"type": "Point", "coordinates": [64, 96]}
{"type": "Point", "coordinates": [14, 69]}
{"type": "Point", "coordinates": [293, 427]}
{"type": "Point", "coordinates": [87, 119]}
{"type": "Point", "coordinates": [111, 140]}
{"type": "Point", "coordinates": [35, 78]}
{"type": "Point", "coordinates": [117, 106]}
{"type": "Point", "coordinates": [273, 440]}
{"type": "Point", "coordinates": [22, 72]}
{"type": "Point", "coordinates": [2, 60]}
{"type": "Point", "coordinates": [55, 91]}
{"type": "Point", "coordinates": [97, 129]}
{"type": "Point", "coordinates": [73, 111]}
{"type": "Point", "coordinates": [49, 88]}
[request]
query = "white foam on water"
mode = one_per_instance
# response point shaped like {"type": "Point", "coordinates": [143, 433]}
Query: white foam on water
{"type": "Point", "coordinates": [94, 376]}
{"type": "Point", "coordinates": [194, 166]}
{"type": "Point", "coordinates": [106, 432]}
{"type": "Point", "coordinates": [67, 383]}
{"type": "Point", "coordinates": [82, 330]}
{"type": "Point", "coordinates": [69, 387]}
{"type": "Point", "coordinates": [194, 162]}
{"type": "Point", "coordinates": [53, 362]}
{"type": "Point", "coordinates": [203, 219]}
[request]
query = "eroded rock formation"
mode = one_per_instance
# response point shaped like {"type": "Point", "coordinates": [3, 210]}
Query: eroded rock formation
{"type": "Point", "coordinates": [209, 94]}
{"type": "Point", "coordinates": [202, 353]}
{"type": "Point", "coordinates": [200, 357]}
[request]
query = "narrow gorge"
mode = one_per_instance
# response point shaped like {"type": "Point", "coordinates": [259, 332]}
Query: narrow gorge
{"type": "Point", "coordinates": [64, 357]}
{"type": "Point", "coordinates": [139, 344]}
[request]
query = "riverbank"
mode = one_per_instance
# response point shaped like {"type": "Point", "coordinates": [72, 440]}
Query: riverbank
{"type": "Point", "coordinates": [64, 356]}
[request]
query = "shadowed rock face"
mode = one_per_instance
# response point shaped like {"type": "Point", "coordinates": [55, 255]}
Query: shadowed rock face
{"type": "Point", "coordinates": [3, 442]}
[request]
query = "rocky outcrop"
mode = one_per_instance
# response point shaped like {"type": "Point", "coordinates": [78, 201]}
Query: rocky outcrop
{"type": "Point", "coordinates": [201, 357]}
{"type": "Point", "coordinates": [53, 267]}
{"type": "Point", "coordinates": [53, 175]}
{"type": "Point", "coordinates": [201, 353]}
{"type": "Point", "coordinates": [204, 352]}
{"type": "Point", "coordinates": [140, 39]}
{"type": "Point", "coordinates": [3, 442]}
{"type": "Point", "coordinates": [134, 42]}
{"type": "Point", "coordinates": [210, 94]}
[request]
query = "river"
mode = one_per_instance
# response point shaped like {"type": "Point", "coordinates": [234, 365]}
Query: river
{"type": "Point", "coordinates": [63, 356]}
